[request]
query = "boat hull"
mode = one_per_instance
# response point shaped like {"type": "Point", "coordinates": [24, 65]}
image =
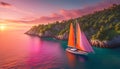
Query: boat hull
{"type": "Point", "coordinates": [76, 52]}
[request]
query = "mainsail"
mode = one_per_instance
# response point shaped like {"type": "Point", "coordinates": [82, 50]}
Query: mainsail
{"type": "Point", "coordinates": [71, 39]}
{"type": "Point", "coordinates": [78, 37]}
{"type": "Point", "coordinates": [82, 43]}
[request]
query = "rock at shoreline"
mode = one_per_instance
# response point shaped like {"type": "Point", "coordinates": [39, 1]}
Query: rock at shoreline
{"type": "Point", "coordinates": [97, 43]}
{"type": "Point", "coordinates": [115, 42]}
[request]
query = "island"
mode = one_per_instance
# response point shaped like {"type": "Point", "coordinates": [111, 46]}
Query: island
{"type": "Point", "coordinates": [102, 28]}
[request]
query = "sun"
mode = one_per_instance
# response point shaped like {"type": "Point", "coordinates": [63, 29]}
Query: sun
{"type": "Point", "coordinates": [2, 27]}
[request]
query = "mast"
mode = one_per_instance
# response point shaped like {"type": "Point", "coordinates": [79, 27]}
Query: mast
{"type": "Point", "coordinates": [71, 38]}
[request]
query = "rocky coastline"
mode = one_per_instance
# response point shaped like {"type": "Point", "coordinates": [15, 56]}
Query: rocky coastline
{"type": "Point", "coordinates": [114, 43]}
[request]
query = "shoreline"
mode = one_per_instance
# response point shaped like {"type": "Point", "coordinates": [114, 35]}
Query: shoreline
{"type": "Point", "coordinates": [94, 43]}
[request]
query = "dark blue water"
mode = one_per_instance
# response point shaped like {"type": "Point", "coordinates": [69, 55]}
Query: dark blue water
{"type": "Point", "coordinates": [20, 51]}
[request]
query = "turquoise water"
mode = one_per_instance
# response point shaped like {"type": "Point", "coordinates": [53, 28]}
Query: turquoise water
{"type": "Point", "coordinates": [102, 59]}
{"type": "Point", "coordinates": [20, 51]}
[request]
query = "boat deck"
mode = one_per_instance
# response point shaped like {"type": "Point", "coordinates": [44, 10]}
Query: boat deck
{"type": "Point", "coordinates": [76, 51]}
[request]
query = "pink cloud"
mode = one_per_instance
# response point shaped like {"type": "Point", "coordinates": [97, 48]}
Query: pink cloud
{"type": "Point", "coordinates": [70, 13]}
{"type": "Point", "coordinates": [73, 13]}
{"type": "Point", "coordinates": [51, 18]}
{"type": "Point", "coordinates": [5, 5]}
{"type": "Point", "coordinates": [11, 7]}
{"type": "Point", "coordinates": [43, 19]}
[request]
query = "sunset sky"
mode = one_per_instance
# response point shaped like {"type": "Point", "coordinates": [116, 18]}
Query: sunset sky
{"type": "Point", "coordinates": [22, 13]}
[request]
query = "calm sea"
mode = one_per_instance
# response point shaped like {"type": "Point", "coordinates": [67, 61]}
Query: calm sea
{"type": "Point", "coordinates": [20, 51]}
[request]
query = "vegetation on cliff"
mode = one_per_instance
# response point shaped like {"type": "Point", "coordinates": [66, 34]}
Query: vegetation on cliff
{"type": "Point", "coordinates": [101, 25]}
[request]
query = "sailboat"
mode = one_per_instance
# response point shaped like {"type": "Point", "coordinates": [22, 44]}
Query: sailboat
{"type": "Point", "coordinates": [79, 44]}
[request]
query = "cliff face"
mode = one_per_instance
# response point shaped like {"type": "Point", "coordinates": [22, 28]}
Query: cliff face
{"type": "Point", "coordinates": [101, 28]}
{"type": "Point", "coordinates": [49, 34]}
{"type": "Point", "coordinates": [57, 30]}
{"type": "Point", "coordinates": [115, 42]}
